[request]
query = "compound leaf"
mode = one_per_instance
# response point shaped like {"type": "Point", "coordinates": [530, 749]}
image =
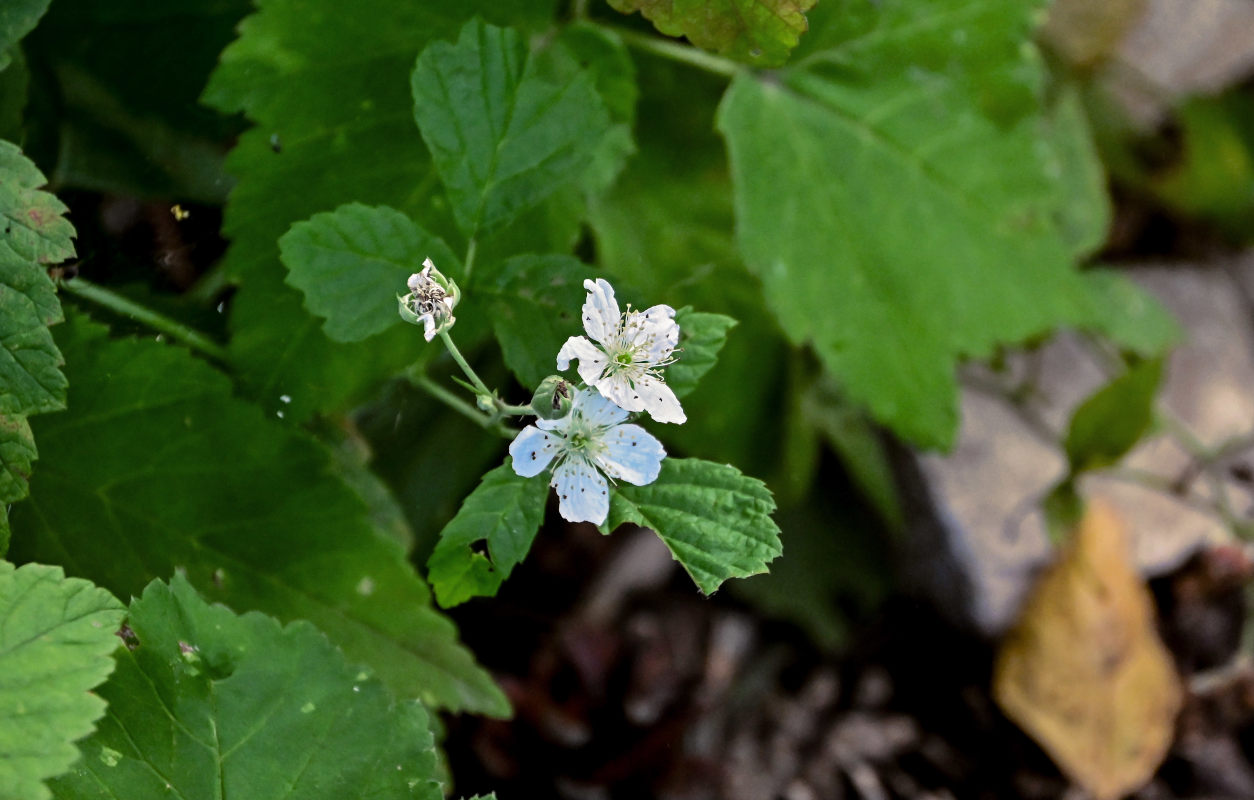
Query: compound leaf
{"type": "Point", "coordinates": [56, 636]}
{"type": "Point", "coordinates": [715, 520]}
{"type": "Point", "coordinates": [158, 467]}
{"type": "Point", "coordinates": [205, 703]}
{"type": "Point", "coordinates": [503, 512]}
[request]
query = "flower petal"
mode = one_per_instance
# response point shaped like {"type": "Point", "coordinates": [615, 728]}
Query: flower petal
{"type": "Point", "coordinates": [532, 450]}
{"type": "Point", "coordinates": [658, 399]}
{"type": "Point", "coordinates": [600, 311]}
{"type": "Point", "coordinates": [591, 359]}
{"type": "Point", "coordinates": [631, 454]}
{"type": "Point", "coordinates": [582, 493]}
{"type": "Point", "coordinates": [618, 390]}
{"type": "Point", "coordinates": [596, 410]}
{"type": "Point", "coordinates": [428, 323]}
{"type": "Point", "coordinates": [660, 333]}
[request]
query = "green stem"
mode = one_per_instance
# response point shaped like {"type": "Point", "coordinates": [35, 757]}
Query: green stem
{"type": "Point", "coordinates": [81, 287]}
{"type": "Point", "coordinates": [457, 404]}
{"type": "Point", "coordinates": [514, 411]}
{"type": "Point", "coordinates": [479, 385]}
{"type": "Point", "coordinates": [682, 53]}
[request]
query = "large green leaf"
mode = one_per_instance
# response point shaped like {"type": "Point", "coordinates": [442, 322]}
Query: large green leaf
{"type": "Point", "coordinates": [502, 137]}
{"type": "Point", "coordinates": [157, 467]}
{"type": "Point", "coordinates": [34, 225]}
{"type": "Point", "coordinates": [56, 635]}
{"type": "Point", "coordinates": [207, 704]}
{"type": "Point", "coordinates": [31, 380]}
{"type": "Point", "coordinates": [716, 521]}
{"type": "Point", "coordinates": [352, 262]}
{"type": "Point", "coordinates": [503, 514]}
{"type": "Point", "coordinates": [328, 92]}
{"type": "Point", "coordinates": [761, 32]}
{"type": "Point", "coordinates": [896, 225]}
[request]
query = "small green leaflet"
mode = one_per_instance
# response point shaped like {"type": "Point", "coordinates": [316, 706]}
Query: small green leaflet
{"type": "Point", "coordinates": [31, 380]}
{"type": "Point", "coordinates": [504, 511]}
{"type": "Point", "coordinates": [17, 452]}
{"type": "Point", "coordinates": [34, 225]}
{"type": "Point", "coordinates": [353, 261]}
{"type": "Point", "coordinates": [502, 138]}
{"type": "Point", "coordinates": [157, 466]}
{"type": "Point", "coordinates": [56, 637]}
{"type": "Point", "coordinates": [715, 520]}
{"type": "Point", "coordinates": [759, 32]}
{"type": "Point", "coordinates": [1107, 425]}
{"type": "Point", "coordinates": [17, 18]}
{"type": "Point", "coordinates": [205, 703]}
{"type": "Point", "coordinates": [701, 337]}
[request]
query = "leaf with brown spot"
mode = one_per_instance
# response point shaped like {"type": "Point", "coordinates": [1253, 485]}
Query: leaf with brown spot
{"type": "Point", "coordinates": [758, 32]}
{"type": "Point", "coordinates": [1084, 672]}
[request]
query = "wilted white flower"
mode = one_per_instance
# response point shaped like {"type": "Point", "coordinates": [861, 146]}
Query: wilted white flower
{"type": "Point", "coordinates": [633, 348]}
{"type": "Point", "coordinates": [592, 439]}
{"type": "Point", "coordinates": [428, 301]}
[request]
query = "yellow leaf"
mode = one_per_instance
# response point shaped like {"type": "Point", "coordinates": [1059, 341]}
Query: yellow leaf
{"type": "Point", "coordinates": [1084, 672]}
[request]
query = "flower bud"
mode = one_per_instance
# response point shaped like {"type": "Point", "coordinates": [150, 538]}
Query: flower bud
{"type": "Point", "coordinates": [430, 301]}
{"type": "Point", "coordinates": [552, 398]}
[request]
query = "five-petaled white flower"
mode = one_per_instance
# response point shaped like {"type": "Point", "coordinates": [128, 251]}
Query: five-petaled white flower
{"type": "Point", "coordinates": [428, 302]}
{"type": "Point", "coordinates": [592, 439]}
{"type": "Point", "coordinates": [634, 346]}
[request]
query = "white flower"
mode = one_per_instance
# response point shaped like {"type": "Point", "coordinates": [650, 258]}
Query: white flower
{"type": "Point", "coordinates": [634, 347]}
{"type": "Point", "coordinates": [428, 302]}
{"type": "Point", "coordinates": [592, 439]}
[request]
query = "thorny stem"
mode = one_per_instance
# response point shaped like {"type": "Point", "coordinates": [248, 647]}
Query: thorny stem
{"type": "Point", "coordinates": [682, 53]}
{"type": "Point", "coordinates": [81, 287]}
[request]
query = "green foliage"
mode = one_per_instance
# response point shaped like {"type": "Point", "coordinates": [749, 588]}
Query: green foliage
{"type": "Point", "coordinates": [18, 18]}
{"type": "Point", "coordinates": [31, 382]}
{"type": "Point", "coordinates": [501, 137]}
{"type": "Point", "coordinates": [761, 32]}
{"type": "Point", "coordinates": [352, 262]}
{"type": "Point", "coordinates": [328, 95]}
{"type": "Point", "coordinates": [503, 512]}
{"type": "Point", "coordinates": [1127, 314]}
{"type": "Point", "coordinates": [534, 303]}
{"type": "Point", "coordinates": [56, 634]}
{"type": "Point", "coordinates": [205, 703]}
{"type": "Point", "coordinates": [936, 242]}
{"type": "Point", "coordinates": [716, 521]}
{"type": "Point", "coordinates": [1106, 425]}
{"type": "Point", "coordinates": [158, 467]}
{"type": "Point", "coordinates": [701, 337]}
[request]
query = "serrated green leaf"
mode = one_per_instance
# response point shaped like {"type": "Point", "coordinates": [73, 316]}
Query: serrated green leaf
{"type": "Point", "coordinates": [18, 18]}
{"type": "Point", "coordinates": [352, 262]}
{"type": "Point", "coordinates": [17, 452]}
{"type": "Point", "coordinates": [329, 95]}
{"type": "Point", "coordinates": [157, 466]}
{"type": "Point", "coordinates": [535, 302]}
{"type": "Point", "coordinates": [209, 704]}
{"type": "Point", "coordinates": [701, 337]}
{"type": "Point", "coordinates": [1113, 419]}
{"type": "Point", "coordinates": [33, 223]}
{"type": "Point", "coordinates": [31, 380]}
{"type": "Point", "coordinates": [502, 137]}
{"type": "Point", "coordinates": [503, 512]}
{"type": "Point", "coordinates": [759, 32]}
{"type": "Point", "coordinates": [56, 636]}
{"type": "Point", "coordinates": [896, 226]}
{"type": "Point", "coordinates": [716, 521]}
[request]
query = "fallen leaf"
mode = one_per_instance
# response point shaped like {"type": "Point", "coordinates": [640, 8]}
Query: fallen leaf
{"type": "Point", "coordinates": [1084, 672]}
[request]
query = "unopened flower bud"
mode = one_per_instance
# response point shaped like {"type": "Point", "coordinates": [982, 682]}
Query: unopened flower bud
{"type": "Point", "coordinates": [552, 398]}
